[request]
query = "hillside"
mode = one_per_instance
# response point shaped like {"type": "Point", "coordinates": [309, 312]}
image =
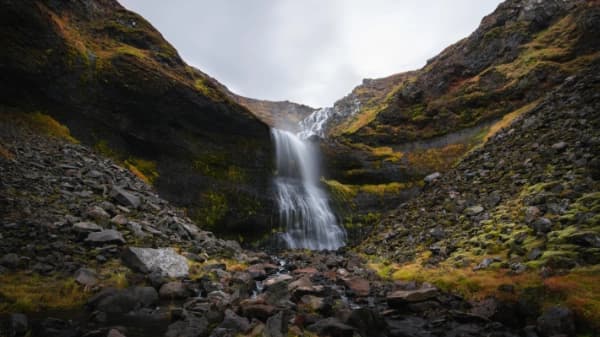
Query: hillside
{"type": "Point", "coordinates": [112, 79]}
{"type": "Point", "coordinates": [389, 133]}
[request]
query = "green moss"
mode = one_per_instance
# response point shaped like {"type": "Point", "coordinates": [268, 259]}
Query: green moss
{"type": "Point", "coordinates": [213, 207]}
{"type": "Point", "coordinates": [32, 292]}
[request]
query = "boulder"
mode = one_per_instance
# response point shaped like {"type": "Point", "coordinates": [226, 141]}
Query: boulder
{"type": "Point", "coordinates": [235, 323]}
{"type": "Point", "coordinates": [401, 297]}
{"type": "Point", "coordinates": [98, 213]}
{"type": "Point", "coordinates": [276, 326]}
{"type": "Point", "coordinates": [112, 300]}
{"type": "Point", "coordinates": [331, 327]}
{"type": "Point", "coordinates": [190, 327]}
{"type": "Point", "coordinates": [165, 260]}
{"type": "Point", "coordinates": [367, 322]}
{"type": "Point", "coordinates": [10, 260]}
{"type": "Point", "coordinates": [86, 277]}
{"type": "Point", "coordinates": [432, 177]}
{"type": "Point", "coordinates": [271, 281]}
{"type": "Point", "coordinates": [125, 198]}
{"type": "Point", "coordinates": [105, 237]}
{"type": "Point", "coordinates": [115, 333]}
{"type": "Point", "coordinates": [473, 210]}
{"type": "Point", "coordinates": [360, 287]}
{"type": "Point", "coordinates": [257, 310]}
{"type": "Point", "coordinates": [86, 227]}
{"type": "Point", "coordinates": [556, 321]}
{"type": "Point", "coordinates": [18, 325]}
{"type": "Point", "coordinates": [174, 290]}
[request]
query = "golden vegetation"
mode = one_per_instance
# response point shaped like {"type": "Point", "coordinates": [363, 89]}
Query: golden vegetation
{"type": "Point", "coordinates": [508, 119]}
{"type": "Point", "coordinates": [144, 169]}
{"type": "Point", "coordinates": [22, 292]}
{"type": "Point", "coordinates": [5, 153]}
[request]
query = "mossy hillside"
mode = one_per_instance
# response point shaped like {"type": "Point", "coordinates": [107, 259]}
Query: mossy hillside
{"type": "Point", "coordinates": [535, 59]}
{"type": "Point", "coordinates": [112, 79]}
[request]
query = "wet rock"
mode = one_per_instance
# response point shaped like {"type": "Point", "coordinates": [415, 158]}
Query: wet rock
{"type": "Point", "coordinates": [19, 325]}
{"type": "Point", "coordinates": [86, 227]}
{"type": "Point", "coordinates": [53, 327]}
{"type": "Point", "coordinates": [276, 326]}
{"type": "Point", "coordinates": [556, 321]}
{"type": "Point", "coordinates": [234, 323]}
{"type": "Point", "coordinates": [259, 311]}
{"type": "Point", "coordinates": [331, 327]}
{"type": "Point", "coordinates": [105, 237]}
{"type": "Point", "coordinates": [401, 297]}
{"type": "Point", "coordinates": [408, 327]}
{"type": "Point", "coordinates": [174, 290]}
{"type": "Point", "coordinates": [164, 260]}
{"type": "Point", "coordinates": [86, 277]}
{"type": "Point", "coordinates": [367, 322]}
{"type": "Point", "coordinates": [191, 326]}
{"type": "Point", "coordinates": [125, 198]}
{"type": "Point", "coordinates": [271, 281]}
{"type": "Point", "coordinates": [360, 287]}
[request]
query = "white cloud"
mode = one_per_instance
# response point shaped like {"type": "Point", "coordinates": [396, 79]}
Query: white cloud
{"type": "Point", "coordinates": [309, 51]}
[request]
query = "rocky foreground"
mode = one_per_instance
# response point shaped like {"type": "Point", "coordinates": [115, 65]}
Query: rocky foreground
{"type": "Point", "coordinates": [88, 249]}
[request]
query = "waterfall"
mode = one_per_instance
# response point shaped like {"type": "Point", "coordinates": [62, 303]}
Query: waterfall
{"type": "Point", "coordinates": [303, 205]}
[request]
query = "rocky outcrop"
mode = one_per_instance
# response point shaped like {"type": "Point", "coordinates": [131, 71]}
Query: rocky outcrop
{"type": "Point", "coordinates": [112, 79]}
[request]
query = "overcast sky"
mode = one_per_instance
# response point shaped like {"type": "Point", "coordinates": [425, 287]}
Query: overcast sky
{"type": "Point", "coordinates": [309, 51]}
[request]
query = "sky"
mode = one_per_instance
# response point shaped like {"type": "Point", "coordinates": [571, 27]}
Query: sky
{"type": "Point", "coordinates": [309, 51]}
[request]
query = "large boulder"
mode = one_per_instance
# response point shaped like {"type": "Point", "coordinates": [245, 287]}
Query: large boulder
{"type": "Point", "coordinates": [116, 301]}
{"type": "Point", "coordinates": [164, 260]}
{"type": "Point", "coordinates": [331, 327]}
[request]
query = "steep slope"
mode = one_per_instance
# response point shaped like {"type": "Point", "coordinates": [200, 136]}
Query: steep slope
{"type": "Point", "coordinates": [112, 79]}
{"type": "Point", "coordinates": [389, 133]}
{"type": "Point", "coordinates": [523, 208]}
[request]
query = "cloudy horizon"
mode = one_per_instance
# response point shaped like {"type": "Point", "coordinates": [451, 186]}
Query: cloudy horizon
{"type": "Point", "coordinates": [311, 52]}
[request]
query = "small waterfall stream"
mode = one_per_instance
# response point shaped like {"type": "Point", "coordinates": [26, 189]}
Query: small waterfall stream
{"type": "Point", "coordinates": [303, 205]}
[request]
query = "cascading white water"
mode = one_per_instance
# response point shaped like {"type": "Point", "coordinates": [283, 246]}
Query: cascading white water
{"type": "Point", "coordinates": [303, 205]}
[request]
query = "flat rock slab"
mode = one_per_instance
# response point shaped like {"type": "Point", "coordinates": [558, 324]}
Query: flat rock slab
{"type": "Point", "coordinates": [125, 198]}
{"type": "Point", "coordinates": [105, 236]}
{"type": "Point", "coordinates": [86, 227]}
{"type": "Point", "coordinates": [401, 297]}
{"type": "Point", "coordinates": [164, 260]}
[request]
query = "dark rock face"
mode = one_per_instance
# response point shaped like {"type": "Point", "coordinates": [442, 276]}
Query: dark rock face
{"type": "Point", "coordinates": [110, 77]}
{"type": "Point", "coordinates": [556, 321]}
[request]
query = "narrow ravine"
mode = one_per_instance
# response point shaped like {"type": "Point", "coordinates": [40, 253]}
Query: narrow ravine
{"type": "Point", "coordinates": [304, 208]}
